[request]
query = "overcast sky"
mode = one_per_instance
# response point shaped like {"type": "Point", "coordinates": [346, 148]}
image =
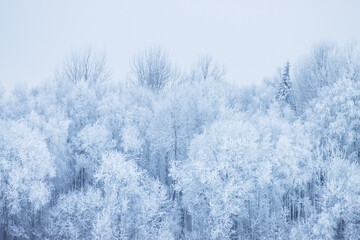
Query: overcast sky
{"type": "Point", "coordinates": [250, 38]}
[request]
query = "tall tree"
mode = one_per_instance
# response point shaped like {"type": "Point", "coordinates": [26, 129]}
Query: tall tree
{"type": "Point", "coordinates": [285, 91]}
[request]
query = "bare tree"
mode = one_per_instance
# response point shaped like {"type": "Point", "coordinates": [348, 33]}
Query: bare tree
{"type": "Point", "coordinates": [86, 66]}
{"type": "Point", "coordinates": [152, 68]}
{"type": "Point", "coordinates": [207, 68]}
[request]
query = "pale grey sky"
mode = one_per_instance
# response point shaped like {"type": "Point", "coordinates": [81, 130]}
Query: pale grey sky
{"type": "Point", "coordinates": [251, 38]}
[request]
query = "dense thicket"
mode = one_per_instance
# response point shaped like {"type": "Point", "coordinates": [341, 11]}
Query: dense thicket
{"type": "Point", "coordinates": [172, 155]}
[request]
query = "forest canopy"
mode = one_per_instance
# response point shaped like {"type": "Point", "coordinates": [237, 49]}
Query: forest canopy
{"type": "Point", "coordinates": [184, 155]}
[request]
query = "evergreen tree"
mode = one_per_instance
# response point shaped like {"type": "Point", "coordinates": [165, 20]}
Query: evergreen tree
{"type": "Point", "coordinates": [285, 91]}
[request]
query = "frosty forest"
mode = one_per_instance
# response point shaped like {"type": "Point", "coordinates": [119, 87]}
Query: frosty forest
{"type": "Point", "coordinates": [170, 154]}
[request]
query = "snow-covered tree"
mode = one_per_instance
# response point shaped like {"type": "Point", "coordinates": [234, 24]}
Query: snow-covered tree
{"type": "Point", "coordinates": [26, 167]}
{"type": "Point", "coordinates": [334, 118]}
{"type": "Point", "coordinates": [133, 202]}
{"type": "Point", "coordinates": [152, 69]}
{"type": "Point", "coordinates": [285, 91]}
{"type": "Point", "coordinates": [73, 215]}
{"type": "Point", "coordinates": [84, 66]}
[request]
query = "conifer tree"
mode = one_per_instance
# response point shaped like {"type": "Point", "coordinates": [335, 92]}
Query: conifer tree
{"type": "Point", "coordinates": [285, 91]}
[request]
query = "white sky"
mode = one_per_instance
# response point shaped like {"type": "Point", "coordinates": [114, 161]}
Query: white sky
{"type": "Point", "coordinates": [251, 38]}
